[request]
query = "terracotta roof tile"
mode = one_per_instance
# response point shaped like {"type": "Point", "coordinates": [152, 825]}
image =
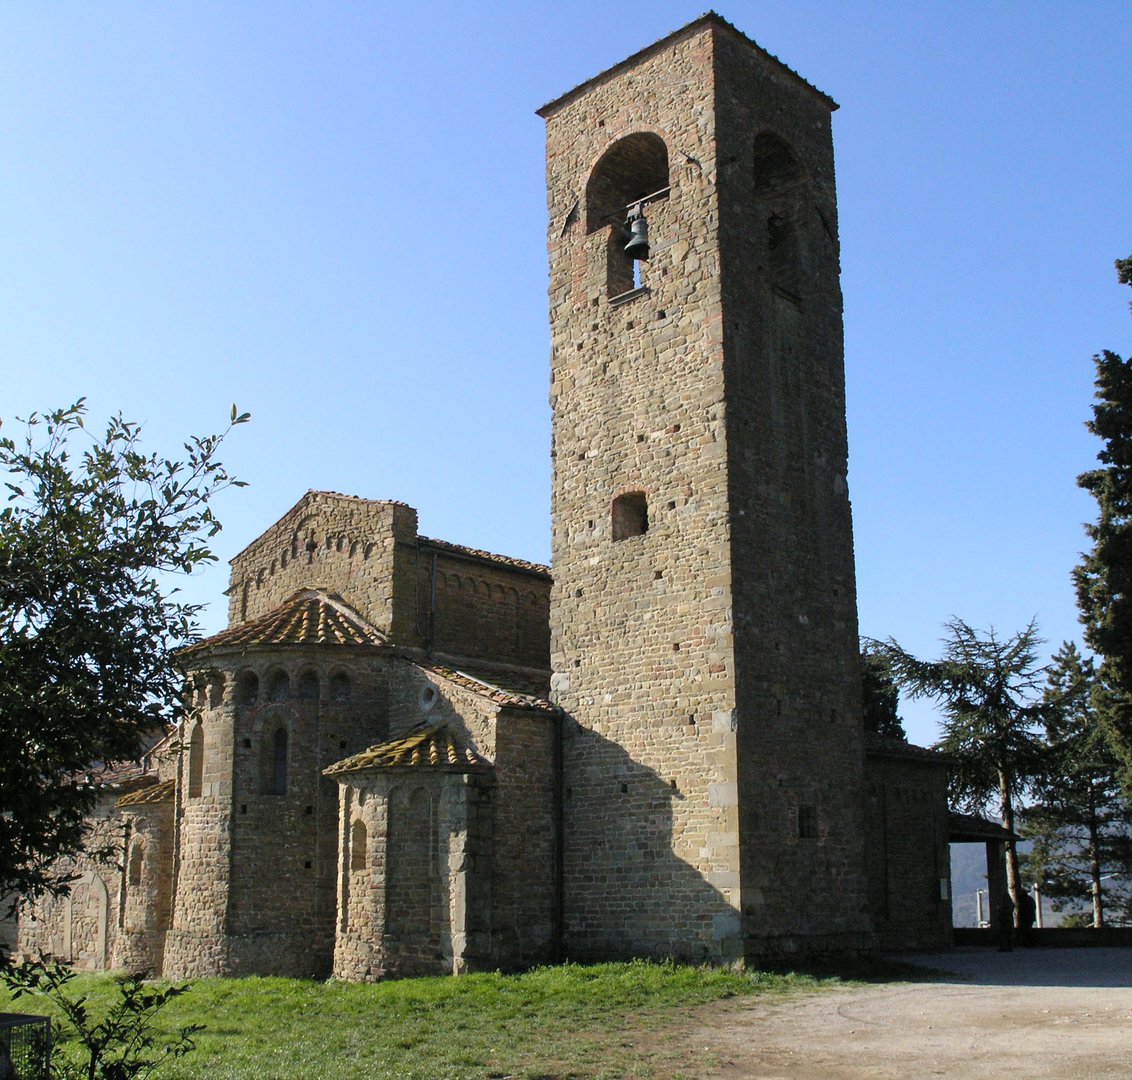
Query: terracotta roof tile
{"type": "Point", "coordinates": [486, 556]}
{"type": "Point", "coordinates": [309, 617]}
{"type": "Point", "coordinates": [148, 796]}
{"type": "Point", "coordinates": [508, 699]}
{"type": "Point", "coordinates": [529, 684]}
{"type": "Point", "coordinates": [429, 748]}
{"type": "Point", "coordinates": [354, 498]}
{"type": "Point", "coordinates": [122, 775]}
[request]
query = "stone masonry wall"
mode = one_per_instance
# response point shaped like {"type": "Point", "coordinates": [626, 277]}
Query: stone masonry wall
{"type": "Point", "coordinates": [415, 885]}
{"type": "Point", "coordinates": [522, 854]}
{"type": "Point", "coordinates": [484, 610]}
{"type": "Point", "coordinates": [793, 585]}
{"type": "Point", "coordinates": [358, 549]}
{"type": "Point", "coordinates": [363, 831]}
{"type": "Point", "coordinates": [147, 891]}
{"type": "Point", "coordinates": [909, 856]}
{"type": "Point", "coordinates": [283, 715]}
{"type": "Point", "coordinates": [83, 927]}
{"type": "Point", "coordinates": [641, 627]}
{"type": "Point", "coordinates": [420, 697]}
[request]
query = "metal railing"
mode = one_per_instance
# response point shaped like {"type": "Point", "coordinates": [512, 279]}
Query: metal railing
{"type": "Point", "coordinates": [25, 1047]}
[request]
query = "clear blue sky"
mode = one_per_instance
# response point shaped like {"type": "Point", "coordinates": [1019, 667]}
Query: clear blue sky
{"type": "Point", "coordinates": [333, 214]}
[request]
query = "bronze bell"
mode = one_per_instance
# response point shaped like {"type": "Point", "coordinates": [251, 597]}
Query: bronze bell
{"type": "Point", "coordinates": [638, 245]}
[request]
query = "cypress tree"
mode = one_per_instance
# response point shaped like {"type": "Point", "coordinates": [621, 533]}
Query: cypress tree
{"type": "Point", "coordinates": [1103, 578]}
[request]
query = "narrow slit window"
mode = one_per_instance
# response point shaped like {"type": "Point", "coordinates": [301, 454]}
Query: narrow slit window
{"type": "Point", "coordinates": [196, 762]}
{"type": "Point", "coordinates": [137, 857]}
{"type": "Point", "coordinates": [279, 763]}
{"type": "Point", "coordinates": [630, 515]}
{"type": "Point", "coordinates": [358, 846]}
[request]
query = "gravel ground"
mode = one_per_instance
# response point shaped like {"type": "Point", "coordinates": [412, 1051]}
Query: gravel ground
{"type": "Point", "coordinates": [1037, 1013]}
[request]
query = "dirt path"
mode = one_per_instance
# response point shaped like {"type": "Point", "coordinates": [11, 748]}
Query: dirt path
{"type": "Point", "coordinates": [1046, 1013]}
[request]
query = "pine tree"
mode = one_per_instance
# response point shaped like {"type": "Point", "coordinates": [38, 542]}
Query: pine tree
{"type": "Point", "coordinates": [1079, 822]}
{"type": "Point", "coordinates": [989, 689]}
{"type": "Point", "coordinates": [881, 697]}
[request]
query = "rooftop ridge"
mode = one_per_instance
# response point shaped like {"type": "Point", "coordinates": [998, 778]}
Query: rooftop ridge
{"type": "Point", "coordinates": [307, 617]}
{"type": "Point", "coordinates": [892, 746]}
{"type": "Point", "coordinates": [508, 699]}
{"type": "Point", "coordinates": [486, 556]}
{"type": "Point", "coordinates": [312, 494]}
{"type": "Point", "coordinates": [429, 747]}
{"type": "Point", "coordinates": [149, 796]}
{"type": "Point", "coordinates": [709, 18]}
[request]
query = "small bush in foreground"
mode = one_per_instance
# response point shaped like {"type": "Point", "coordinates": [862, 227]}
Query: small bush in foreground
{"type": "Point", "coordinates": [124, 1044]}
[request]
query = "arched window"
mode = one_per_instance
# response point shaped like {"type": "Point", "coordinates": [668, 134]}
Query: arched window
{"type": "Point", "coordinates": [340, 688]}
{"type": "Point", "coordinates": [358, 845]}
{"type": "Point", "coordinates": [308, 686]}
{"type": "Point", "coordinates": [630, 515]}
{"type": "Point", "coordinates": [633, 169]}
{"type": "Point", "coordinates": [137, 859]}
{"type": "Point", "coordinates": [279, 762]}
{"type": "Point", "coordinates": [780, 203]}
{"type": "Point", "coordinates": [247, 688]}
{"type": "Point", "coordinates": [278, 686]}
{"type": "Point", "coordinates": [196, 761]}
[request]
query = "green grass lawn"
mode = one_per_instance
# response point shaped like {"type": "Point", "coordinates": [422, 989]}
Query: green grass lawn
{"type": "Point", "coordinates": [608, 1020]}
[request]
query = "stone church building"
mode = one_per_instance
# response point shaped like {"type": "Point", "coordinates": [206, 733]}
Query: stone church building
{"type": "Point", "coordinates": [408, 756]}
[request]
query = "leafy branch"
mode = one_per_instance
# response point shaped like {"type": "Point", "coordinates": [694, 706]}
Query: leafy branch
{"type": "Point", "coordinates": [121, 1045]}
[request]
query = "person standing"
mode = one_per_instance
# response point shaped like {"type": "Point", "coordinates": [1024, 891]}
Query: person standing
{"type": "Point", "coordinates": [1005, 916]}
{"type": "Point", "coordinates": [1027, 913]}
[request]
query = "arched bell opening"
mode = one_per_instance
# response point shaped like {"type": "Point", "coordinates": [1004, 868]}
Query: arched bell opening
{"type": "Point", "coordinates": [781, 206]}
{"type": "Point", "coordinates": [629, 176]}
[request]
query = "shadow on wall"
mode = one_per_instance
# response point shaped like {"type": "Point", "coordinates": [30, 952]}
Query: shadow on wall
{"type": "Point", "coordinates": [9, 925]}
{"type": "Point", "coordinates": [626, 891]}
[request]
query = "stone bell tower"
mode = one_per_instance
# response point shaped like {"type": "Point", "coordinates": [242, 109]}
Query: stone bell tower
{"type": "Point", "coordinates": [703, 613]}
